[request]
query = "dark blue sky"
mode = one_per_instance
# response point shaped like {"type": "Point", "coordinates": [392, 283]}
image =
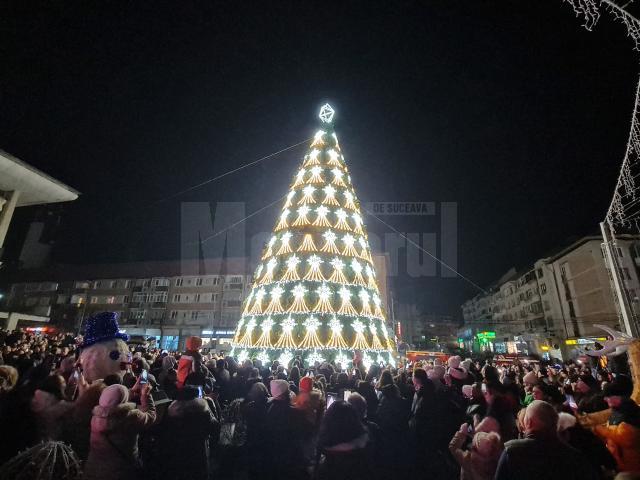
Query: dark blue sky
{"type": "Point", "coordinates": [509, 108]}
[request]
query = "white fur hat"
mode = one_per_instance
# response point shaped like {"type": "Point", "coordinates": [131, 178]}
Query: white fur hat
{"type": "Point", "coordinates": [454, 362]}
{"type": "Point", "coordinates": [279, 387]}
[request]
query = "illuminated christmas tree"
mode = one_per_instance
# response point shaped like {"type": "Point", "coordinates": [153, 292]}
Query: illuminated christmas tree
{"type": "Point", "coordinates": [315, 290]}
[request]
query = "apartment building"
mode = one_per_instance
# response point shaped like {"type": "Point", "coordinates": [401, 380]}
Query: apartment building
{"type": "Point", "coordinates": [552, 306]}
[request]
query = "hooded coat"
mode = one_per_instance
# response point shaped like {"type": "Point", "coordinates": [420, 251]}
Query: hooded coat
{"type": "Point", "coordinates": [622, 435]}
{"type": "Point", "coordinates": [113, 451]}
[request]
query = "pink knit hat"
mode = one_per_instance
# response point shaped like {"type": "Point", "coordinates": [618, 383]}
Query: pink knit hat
{"type": "Point", "coordinates": [279, 387]}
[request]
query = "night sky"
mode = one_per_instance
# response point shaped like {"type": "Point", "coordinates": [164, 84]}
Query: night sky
{"type": "Point", "coordinates": [509, 108]}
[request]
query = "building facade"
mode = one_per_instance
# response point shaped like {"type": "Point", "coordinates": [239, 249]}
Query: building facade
{"type": "Point", "coordinates": [551, 307]}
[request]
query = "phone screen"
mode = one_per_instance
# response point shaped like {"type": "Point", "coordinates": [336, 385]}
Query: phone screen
{"type": "Point", "coordinates": [200, 391]}
{"type": "Point", "coordinates": [345, 395]}
{"type": "Point", "coordinates": [144, 377]}
{"type": "Point", "coordinates": [330, 399]}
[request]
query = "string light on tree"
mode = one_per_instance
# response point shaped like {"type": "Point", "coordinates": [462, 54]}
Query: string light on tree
{"type": "Point", "coordinates": [263, 356]}
{"type": "Point", "coordinates": [291, 274]}
{"type": "Point", "coordinates": [321, 219]}
{"type": "Point", "coordinates": [285, 358]}
{"type": "Point", "coordinates": [268, 276]}
{"type": "Point", "coordinates": [299, 177]}
{"type": "Point", "coordinates": [312, 158]}
{"type": "Point", "coordinates": [265, 338]}
{"type": "Point", "coordinates": [302, 219]}
{"type": "Point", "coordinates": [338, 179]}
{"type": "Point", "coordinates": [330, 243]}
{"type": "Point", "coordinates": [257, 306]}
{"type": "Point", "coordinates": [275, 305]}
{"type": "Point", "coordinates": [314, 359]}
{"type": "Point", "coordinates": [342, 360]}
{"type": "Point", "coordinates": [338, 275]}
{"type": "Point", "coordinates": [307, 196]}
{"type": "Point", "coordinates": [286, 337]}
{"type": "Point", "coordinates": [336, 340]}
{"type": "Point", "coordinates": [242, 356]}
{"type": "Point", "coordinates": [324, 300]}
{"type": "Point", "coordinates": [314, 274]}
{"type": "Point", "coordinates": [318, 138]}
{"type": "Point", "coordinates": [349, 245]}
{"type": "Point", "coordinates": [284, 242]}
{"type": "Point", "coordinates": [356, 266]}
{"type": "Point", "coordinates": [289, 201]}
{"type": "Point", "coordinates": [268, 251]}
{"type": "Point", "coordinates": [330, 196]}
{"type": "Point", "coordinates": [316, 175]}
{"type": "Point", "coordinates": [307, 244]}
{"type": "Point", "coordinates": [246, 338]}
{"type": "Point", "coordinates": [311, 340]}
{"type": "Point", "coordinates": [334, 158]}
{"type": "Point", "coordinates": [298, 305]}
{"type": "Point", "coordinates": [349, 200]}
{"type": "Point", "coordinates": [341, 223]}
{"type": "Point", "coordinates": [360, 342]}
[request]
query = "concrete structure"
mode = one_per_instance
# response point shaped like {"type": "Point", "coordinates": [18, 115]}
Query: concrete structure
{"type": "Point", "coordinates": [552, 306]}
{"type": "Point", "coordinates": [426, 331]}
{"type": "Point", "coordinates": [23, 185]}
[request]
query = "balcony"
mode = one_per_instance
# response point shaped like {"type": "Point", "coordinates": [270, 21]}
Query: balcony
{"type": "Point", "coordinates": [161, 288]}
{"type": "Point", "coordinates": [162, 304]}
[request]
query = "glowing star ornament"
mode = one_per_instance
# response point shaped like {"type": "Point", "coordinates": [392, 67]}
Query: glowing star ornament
{"type": "Point", "coordinates": [307, 244]}
{"type": "Point", "coordinates": [247, 302]}
{"type": "Point", "coordinates": [307, 196]}
{"type": "Point", "coordinates": [326, 113]}
{"type": "Point", "coordinates": [284, 243]}
{"type": "Point", "coordinates": [338, 275]}
{"type": "Point", "coordinates": [345, 306]}
{"type": "Point", "coordinates": [289, 201]}
{"type": "Point", "coordinates": [316, 175]}
{"type": "Point", "coordinates": [299, 177]}
{"type": "Point", "coordinates": [286, 339]}
{"type": "Point", "coordinates": [338, 177]}
{"type": "Point", "coordinates": [324, 300]}
{"type": "Point", "coordinates": [268, 276]}
{"type": "Point", "coordinates": [357, 220]}
{"type": "Point", "coordinates": [342, 360]}
{"type": "Point", "coordinates": [356, 266]}
{"type": "Point", "coordinates": [315, 359]}
{"type": "Point", "coordinates": [312, 158]}
{"type": "Point", "coordinates": [335, 140]}
{"type": "Point", "coordinates": [330, 196]}
{"type": "Point", "coordinates": [264, 340]}
{"type": "Point", "coordinates": [257, 306]}
{"type": "Point", "coordinates": [245, 341]}
{"type": "Point", "coordinates": [321, 218]}
{"type": "Point", "coordinates": [341, 223]}
{"type": "Point", "coordinates": [360, 342]}
{"type": "Point", "coordinates": [314, 273]}
{"type": "Point", "coordinates": [364, 299]}
{"type": "Point", "coordinates": [349, 242]}
{"type": "Point", "coordinates": [236, 337]}
{"type": "Point", "coordinates": [311, 339]}
{"type": "Point", "coordinates": [367, 361]}
{"type": "Point", "coordinates": [336, 340]}
{"type": "Point", "coordinates": [375, 341]}
{"type": "Point", "coordinates": [275, 306]}
{"type": "Point", "coordinates": [285, 358]}
{"type": "Point", "coordinates": [348, 196]}
{"type": "Point", "coordinates": [291, 273]}
{"type": "Point", "coordinates": [243, 356]}
{"type": "Point", "coordinates": [334, 158]}
{"type": "Point", "coordinates": [329, 243]}
{"type": "Point", "coordinates": [298, 305]}
{"type": "Point", "coordinates": [377, 311]}
{"type": "Point", "coordinates": [269, 251]}
{"type": "Point", "coordinates": [263, 356]}
{"type": "Point", "coordinates": [302, 219]}
{"type": "Point", "coordinates": [318, 139]}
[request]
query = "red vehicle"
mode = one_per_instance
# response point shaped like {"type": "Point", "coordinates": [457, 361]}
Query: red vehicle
{"type": "Point", "coordinates": [417, 355]}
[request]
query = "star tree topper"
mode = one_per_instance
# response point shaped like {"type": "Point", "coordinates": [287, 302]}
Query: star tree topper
{"type": "Point", "coordinates": [326, 113]}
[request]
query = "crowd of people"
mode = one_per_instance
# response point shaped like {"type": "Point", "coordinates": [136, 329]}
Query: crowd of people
{"type": "Point", "coordinates": [197, 416]}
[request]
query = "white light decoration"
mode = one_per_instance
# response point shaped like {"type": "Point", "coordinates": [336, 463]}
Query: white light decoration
{"type": "Point", "coordinates": [307, 195]}
{"type": "Point", "coordinates": [357, 219]}
{"type": "Point", "coordinates": [285, 358]}
{"type": "Point", "coordinates": [307, 244]}
{"type": "Point", "coordinates": [257, 306]}
{"type": "Point", "coordinates": [349, 200]}
{"type": "Point", "coordinates": [364, 299]}
{"type": "Point", "coordinates": [337, 275]}
{"type": "Point", "coordinates": [324, 302]}
{"type": "Point", "coordinates": [311, 340]}
{"type": "Point", "coordinates": [335, 140]}
{"type": "Point", "coordinates": [259, 271]}
{"type": "Point", "coordinates": [338, 177]}
{"type": "Point", "coordinates": [321, 219]}
{"type": "Point", "coordinates": [242, 356]}
{"type": "Point", "coordinates": [264, 340]}
{"type": "Point", "coordinates": [312, 158]}
{"type": "Point", "coordinates": [342, 360]}
{"type": "Point", "coordinates": [298, 305]}
{"type": "Point", "coordinates": [289, 201]}
{"type": "Point", "coordinates": [379, 360]}
{"type": "Point", "coordinates": [299, 177]}
{"type": "Point", "coordinates": [270, 245]}
{"type": "Point", "coordinates": [377, 311]}
{"type": "Point", "coordinates": [302, 219]}
{"type": "Point", "coordinates": [236, 337]}
{"type": "Point", "coordinates": [286, 337]}
{"type": "Point", "coordinates": [375, 341]}
{"type": "Point", "coordinates": [326, 113]}
{"type": "Point", "coordinates": [314, 273]}
{"type": "Point", "coordinates": [318, 138]}
{"type": "Point", "coordinates": [349, 242]}
{"type": "Point", "coordinates": [316, 176]}
{"type": "Point", "coordinates": [330, 196]}
{"type": "Point", "coordinates": [246, 338]}
{"type": "Point", "coordinates": [356, 266]}
{"type": "Point", "coordinates": [330, 243]}
{"type": "Point", "coordinates": [284, 243]}
{"type": "Point", "coordinates": [362, 242]}
{"type": "Point", "coordinates": [275, 306]}
{"type": "Point", "coordinates": [336, 340]}
{"type": "Point", "coordinates": [334, 158]}
{"type": "Point", "coordinates": [392, 361]}
{"type": "Point", "coordinates": [345, 306]}
{"type": "Point", "coordinates": [342, 224]}
{"type": "Point", "coordinates": [367, 361]}
{"type": "Point", "coordinates": [314, 358]}
{"type": "Point", "coordinates": [283, 223]}
{"type": "Point", "coordinates": [360, 342]}
{"type": "Point", "coordinates": [263, 356]}
{"type": "Point", "coordinates": [292, 269]}
{"type": "Point", "coordinates": [247, 302]}
{"type": "Point", "coordinates": [268, 276]}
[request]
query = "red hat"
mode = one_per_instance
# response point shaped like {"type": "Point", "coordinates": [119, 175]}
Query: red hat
{"type": "Point", "coordinates": [306, 384]}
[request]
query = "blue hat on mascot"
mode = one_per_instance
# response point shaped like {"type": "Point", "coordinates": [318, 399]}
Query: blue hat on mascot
{"type": "Point", "coordinates": [101, 327]}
